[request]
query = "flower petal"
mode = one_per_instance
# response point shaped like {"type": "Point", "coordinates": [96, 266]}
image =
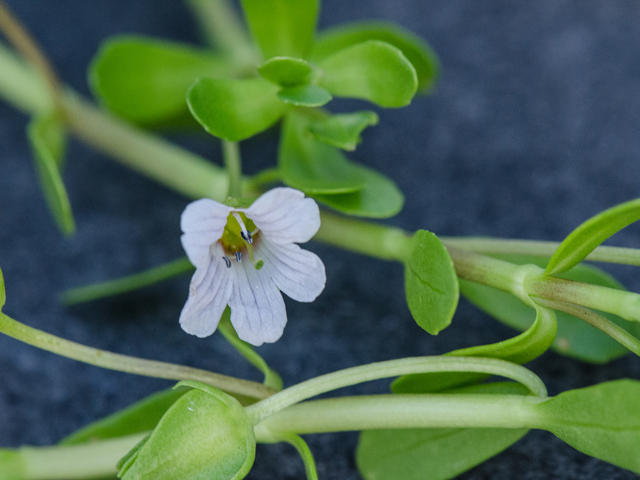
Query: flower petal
{"type": "Point", "coordinates": [209, 294]}
{"type": "Point", "coordinates": [298, 273]}
{"type": "Point", "coordinates": [285, 216]}
{"type": "Point", "coordinates": [202, 222]}
{"type": "Point", "coordinates": [257, 308]}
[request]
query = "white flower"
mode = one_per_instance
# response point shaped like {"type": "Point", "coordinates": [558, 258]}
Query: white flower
{"type": "Point", "coordinates": [244, 257]}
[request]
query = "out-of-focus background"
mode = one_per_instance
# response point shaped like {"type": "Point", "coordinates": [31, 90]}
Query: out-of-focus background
{"type": "Point", "coordinates": [532, 128]}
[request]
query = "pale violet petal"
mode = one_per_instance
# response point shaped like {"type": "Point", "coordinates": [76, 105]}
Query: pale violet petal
{"type": "Point", "coordinates": [209, 294]}
{"type": "Point", "coordinates": [202, 222]}
{"type": "Point", "coordinates": [257, 308]}
{"type": "Point", "coordinates": [298, 273]}
{"type": "Point", "coordinates": [284, 216]}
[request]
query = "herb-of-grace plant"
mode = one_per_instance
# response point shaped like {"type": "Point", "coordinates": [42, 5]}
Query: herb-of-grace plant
{"type": "Point", "coordinates": [242, 234]}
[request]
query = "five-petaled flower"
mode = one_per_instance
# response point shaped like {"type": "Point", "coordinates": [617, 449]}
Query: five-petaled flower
{"type": "Point", "coordinates": [244, 257]}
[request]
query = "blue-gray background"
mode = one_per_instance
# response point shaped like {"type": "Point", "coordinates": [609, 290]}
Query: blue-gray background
{"type": "Point", "coordinates": [532, 129]}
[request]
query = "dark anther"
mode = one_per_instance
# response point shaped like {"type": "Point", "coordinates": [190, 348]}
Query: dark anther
{"type": "Point", "coordinates": [238, 257]}
{"type": "Point", "coordinates": [227, 261]}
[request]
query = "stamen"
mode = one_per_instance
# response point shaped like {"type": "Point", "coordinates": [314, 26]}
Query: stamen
{"type": "Point", "coordinates": [257, 264]}
{"type": "Point", "coordinates": [238, 257]}
{"type": "Point", "coordinates": [227, 261]}
{"type": "Point", "coordinates": [244, 233]}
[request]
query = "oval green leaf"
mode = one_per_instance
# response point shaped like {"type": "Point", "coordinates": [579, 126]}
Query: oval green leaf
{"type": "Point", "coordinates": [282, 27]}
{"type": "Point", "coordinates": [575, 338]}
{"type": "Point", "coordinates": [378, 198]}
{"type": "Point", "coordinates": [371, 70]}
{"type": "Point", "coordinates": [145, 80]}
{"type": "Point", "coordinates": [584, 239]}
{"type": "Point", "coordinates": [312, 166]}
{"type": "Point", "coordinates": [343, 130]}
{"type": "Point", "coordinates": [305, 96]}
{"type": "Point", "coordinates": [235, 109]}
{"type": "Point", "coordinates": [602, 421]}
{"type": "Point", "coordinates": [435, 453]}
{"type": "Point", "coordinates": [417, 51]}
{"type": "Point", "coordinates": [48, 141]}
{"type": "Point", "coordinates": [286, 71]}
{"type": "Point", "coordinates": [430, 281]}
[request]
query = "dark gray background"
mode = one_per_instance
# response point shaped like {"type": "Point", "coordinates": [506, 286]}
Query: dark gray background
{"type": "Point", "coordinates": [532, 129]}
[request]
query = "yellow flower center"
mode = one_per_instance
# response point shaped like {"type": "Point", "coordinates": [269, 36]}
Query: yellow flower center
{"type": "Point", "coordinates": [231, 239]}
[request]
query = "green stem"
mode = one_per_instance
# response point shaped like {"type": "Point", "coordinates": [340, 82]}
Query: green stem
{"type": "Point", "coordinates": [615, 331]}
{"type": "Point", "coordinates": [127, 284]}
{"type": "Point", "coordinates": [393, 368]}
{"type": "Point", "coordinates": [124, 363]}
{"type": "Point", "coordinates": [233, 165]}
{"type": "Point", "coordinates": [20, 85]}
{"type": "Point", "coordinates": [405, 411]}
{"type": "Point", "coordinates": [505, 246]}
{"type": "Point", "coordinates": [89, 460]}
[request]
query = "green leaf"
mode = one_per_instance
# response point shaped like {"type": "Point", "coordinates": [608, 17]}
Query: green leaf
{"type": "Point", "coordinates": [421, 56]}
{"type": "Point", "coordinates": [584, 239]}
{"type": "Point", "coordinates": [282, 27]}
{"type": "Point", "coordinates": [602, 421]}
{"type": "Point", "coordinates": [127, 284]}
{"type": "Point", "coordinates": [305, 96]}
{"type": "Point", "coordinates": [271, 377]}
{"type": "Point", "coordinates": [48, 141]}
{"type": "Point", "coordinates": [435, 453]}
{"type": "Point", "coordinates": [575, 338]}
{"type": "Point", "coordinates": [343, 130]}
{"type": "Point", "coordinates": [138, 418]}
{"type": "Point", "coordinates": [379, 198]}
{"type": "Point", "coordinates": [235, 109]}
{"type": "Point", "coordinates": [13, 466]}
{"type": "Point", "coordinates": [521, 349]}
{"type": "Point", "coordinates": [286, 71]}
{"type": "Point", "coordinates": [204, 434]}
{"type": "Point", "coordinates": [371, 70]}
{"type": "Point", "coordinates": [312, 166]}
{"type": "Point", "coordinates": [430, 282]}
{"type": "Point", "coordinates": [146, 80]}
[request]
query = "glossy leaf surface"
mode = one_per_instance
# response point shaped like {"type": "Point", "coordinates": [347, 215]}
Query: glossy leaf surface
{"type": "Point", "coordinates": [343, 130]}
{"type": "Point", "coordinates": [146, 80]}
{"type": "Point", "coordinates": [417, 51]}
{"type": "Point", "coordinates": [286, 71]}
{"type": "Point", "coordinates": [48, 141]}
{"type": "Point", "coordinates": [602, 421]}
{"type": "Point", "coordinates": [371, 70]}
{"type": "Point", "coordinates": [235, 109]}
{"type": "Point", "coordinates": [305, 96]}
{"type": "Point", "coordinates": [584, 239]}
{"type": "Point", "coordinates": [282, 27]}
{"type": "Point", "coordinates": [434, 453]}
{"type": "Point", "coordinates": [575, 338]}
{"type": "Point", "coordinates": [431, 284]}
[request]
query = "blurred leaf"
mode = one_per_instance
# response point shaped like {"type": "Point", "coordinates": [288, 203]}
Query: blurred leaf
{"type": "Point", "coordinates": [417, 51]}
{"type": "Point", "coordinates": [3, 293]}
{"type": "Point", "coordinates": [271, 377]}
{"type": "Point", "coordinates": [435, 453]}
{"type": "Point", "coordinates": [127, 284]}
{"type": "Point", "coordinates": [431, 284]}
{"type": "Point", "coordinates": [312, 166]}
{"type": "Point", "coordinates": [305, 96]}
{"type": "Point", "coordinates": [575, 338]}
{"type": "Point", "coordinates": [602, 421]}
{"type": "Point", "coordinates": [282, 27]}
{"type": "Point", "coordinates": [343, 130]}
{"type": "Point", "coordinates": [286, 71]}
{"type": "Point", "coordinates": [138, 418]}
{"type": "Point", "coordinates": [145, 80]}
{"type": "Point", "coordinates": [48, 141]}
{"type": "Point", "coordinates": [235, 109]}
{"type": "Point", "coordinates": [379, 198]}
{"type": "Point", "coordinates": [371, 70]}
{"type": "Point", "coordinates": [584, 239]}
{"type": "Point", "coordinates": [521, 349]}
